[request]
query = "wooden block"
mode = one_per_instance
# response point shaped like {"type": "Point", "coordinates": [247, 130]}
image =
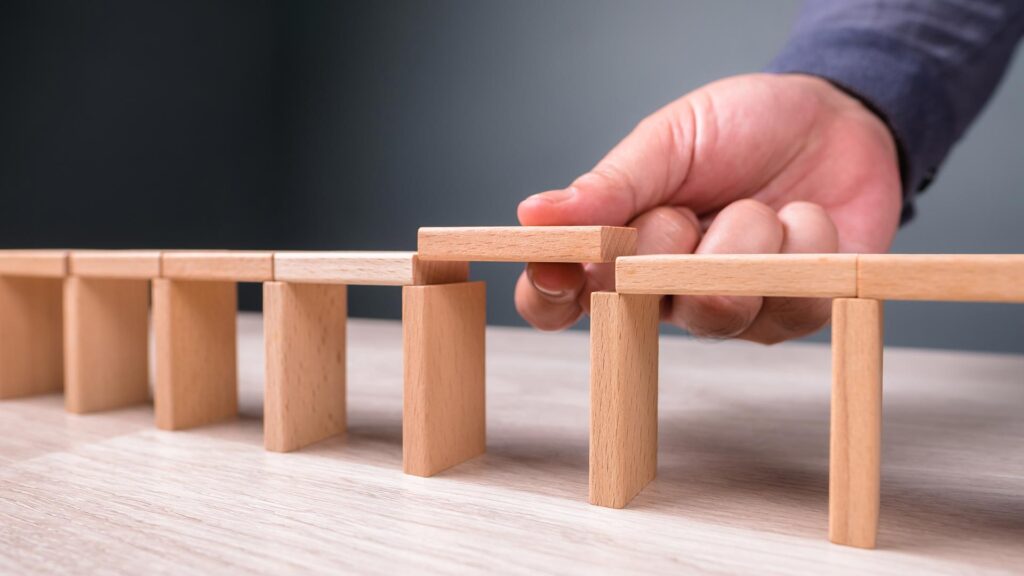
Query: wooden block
{"type": "Point", "coordinates": [194, 325]}
{"type": "Point", "coordinates": [623, 396]}
{"type": "Point", "coordinates": [443, 421]}
{"type": "Point", "coordinates": [31, 344]}
{"type": "Point", "coordinates": [138, 264]}
{"type": "Point", "coordinates": [856, 437]}
{"type": "Point", "coordinates": [34, 263]}
{"type": "Point", "coordinates": [304, 330]}
{"type": "Point", "coordinates": [794, 275]}
{"type": "Point", "coordinates": [106, 343]}
{"type": "Point", "coordinates": [365, 268]}
{"type": "Point", "coordinates": [952, 277]}
{"type": "Point", "coordinates": [527, 243]}
{"type": "Point", "coordinates": [227, 265]}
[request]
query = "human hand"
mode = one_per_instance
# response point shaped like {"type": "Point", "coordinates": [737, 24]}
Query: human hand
{"type": "Point", "coordinates": [750, 164]}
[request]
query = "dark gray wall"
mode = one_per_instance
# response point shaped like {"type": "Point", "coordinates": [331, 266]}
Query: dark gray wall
{"type": "Point", "coordinates": [347, 125]}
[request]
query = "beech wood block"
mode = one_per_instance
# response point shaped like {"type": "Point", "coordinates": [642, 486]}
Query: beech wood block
{"type": "Point", "coordinates": [106, 343]}
{"type": "Point", "coordinates": [623, 396]}
{"type": "Point", "coordinates": [34, 263]}
{"type": "Point", "coordinates": [194, 325]}
{"type": "Point", "coordinates": [31, 341]}
{"type": "Point", "coordinates": [443, 419]}
{"type": "Point", "coordinates": [226, 265]}
{"type": "Point", "coordinates": [856, 435]}
{"type": "Point", "coordinates": [527, 243]}
{"type": "Point", "coordinates": [952, 277]}
{"type": "Point", "coordinates": [137, 264]}
{"type": "Point", "coordinates": [366, 268]}
{"type": "Point", "coordinates": [304, 329]}
{"type": "Point", "coordinates": [790, 275]}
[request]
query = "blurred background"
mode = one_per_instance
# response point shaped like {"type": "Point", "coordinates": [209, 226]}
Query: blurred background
{"type": "Point", "coordinates": [347, 125]}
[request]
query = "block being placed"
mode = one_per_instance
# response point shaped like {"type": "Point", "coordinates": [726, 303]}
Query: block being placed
{"type": "Point", "coordinates": [791, 275]}
{"type": "Point", "coordinates": [365, 269]}
{"type": "Point", "coordinates": [127, 264]}
{"type": "Point", "coordinates": [527, 243]}
{"type": "Point", "coordinates": [34, 263]}
{"type": "Point", "coordinates": [949, 277]}
{"type": "Point", "coordinates": [226, 265]}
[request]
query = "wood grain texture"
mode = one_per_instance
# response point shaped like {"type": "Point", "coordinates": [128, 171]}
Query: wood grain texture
{"type": "Point", "coordinates": [196, 362]}
{"type": "Point", "coordinates": [226, 265]}
{"type": "Point", "coordinates": [623, 396]}
{"type": "Point", "coordinates": [794, 275]}
{"type": "Point", "coordinates": [949, 277]}
{"type": "Point", "coordinates": [35, 263]}
{"type": "Point", "coordinates": [855, 447]}
{"type": "Point", "coordinates": [305, 340]}
{"type": "Point", "coordinates": [443, 415]}
{"type": "Point", "coordinates": [31, 341]}
{"type": "Point", "coordinates": [742, 478]}
{"type": "Point", "coordinates": [365, 268]}
{"type": "Point", "coordinates": [138, 264]}
{"type": "Point", "coordinates": [527, 243]}
{"type": "Point", "coordinates": [106, 343]}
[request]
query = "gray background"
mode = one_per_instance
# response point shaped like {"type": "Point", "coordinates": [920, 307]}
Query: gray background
{"type": "Point", "coordinates": [347, 125]}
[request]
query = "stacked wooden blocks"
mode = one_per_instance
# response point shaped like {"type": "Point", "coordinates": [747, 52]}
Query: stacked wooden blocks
{"type": "Point", "coordinates": [79, 319]}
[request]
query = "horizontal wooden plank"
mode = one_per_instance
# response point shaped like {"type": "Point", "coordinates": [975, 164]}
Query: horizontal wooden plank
{"type": "Point", "coordinates": [527, 243]}
{"type": "Point", "coordinates": [365, 269]}
{"type": "Point", "coordinates": [35, 263]}
{"type": "Point", "coordinates": [942, 277]}
{"type": "Point", "coordinates": [225, 265]}
{"type": "Point", "coordinates": [793, 275]}
{"type": "Point", "coordinates": [136, 264]}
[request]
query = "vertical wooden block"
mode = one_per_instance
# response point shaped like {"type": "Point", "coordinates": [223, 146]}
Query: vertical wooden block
{"type": "Point", "coordinates": [623, 396]}
{"type": "Point", "coordinates": [106, 336]}
{"type": "Point", "coordinates": [194, 325]}
{"type": "Point", "coordinates": [856, 437]}
{"type": "Point", "coordinates": [443, 420]}
{"type": "Point", "coordinates": [304, 328]}
{"type": "Point", "coordinates": [31, 343]}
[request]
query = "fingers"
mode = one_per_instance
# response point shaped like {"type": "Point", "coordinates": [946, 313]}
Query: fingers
{"type": "Point", "coordinates": [640, 173]}
{"type": "Point", "coordinates": [743, 227]}
{"type": "Point", "coordinates": [547, 295]}
{"type": "Point", "coordinates": [808, 229]}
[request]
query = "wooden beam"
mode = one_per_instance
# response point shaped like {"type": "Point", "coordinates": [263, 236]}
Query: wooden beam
{"type": "Point", "coordinates": [31, 341]}
{"type": "Point", "coordinates": [623, 396]}
{"type": "Point", "coordinates": [304, 331]}
{"type": "Point", "coordinates": [856, 435]}
{"type": "Point", "coordinates": [194, 324]}
{"type": "Point", "coordinates": [365, 268]}
{"type": "Point", "coordinates": [527, 243]}
{"type": "Point", "coordinates": [126, 264]}
{"type": "Point", "coordinates": [793, 275]}
{"type": "Point", "coordinates": [950, 277]}
{"type": "Point", "coordinates": [34, 263]}
{"type": "Point", "coordinates": [224, 265]}
{"type": "Point", "coordinates": [443, 416]}
{"type": "Point", "coordinates": [106, 343]}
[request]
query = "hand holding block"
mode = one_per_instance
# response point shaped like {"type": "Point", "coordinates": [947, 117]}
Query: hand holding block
{"type": "Point", "coordinates": [365, 269]}
{"type": "Point", "coordinates": [226, 265]}
{"type": "Point", "coordinates": [789, 275]}
{"type": "Point", "coordinates": [527, 243]}
{"type": "Point", "coordinates": [950, 277]}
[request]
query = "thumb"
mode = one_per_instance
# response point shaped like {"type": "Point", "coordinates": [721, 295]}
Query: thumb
{"type": "Point", "coordinates": [641, 172]}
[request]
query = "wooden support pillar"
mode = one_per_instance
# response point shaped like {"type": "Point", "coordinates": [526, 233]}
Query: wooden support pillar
{"type": "Point", "coordinates": [623, 396]}
{"type": "Point", "coordinates": [443, 416]}
{"type": "Point", "coordinates": [194, 324]}
{"type": "Point", "coordinates": [106, 335]}
{"type": "Point", "coordinates": [31, 343]}
{"type": "Point", "coordinates": [855, 448]}
{"type": "Point", "coordinates": [304, 330]}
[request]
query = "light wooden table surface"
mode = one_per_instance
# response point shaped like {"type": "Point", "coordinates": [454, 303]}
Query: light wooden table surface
{"type": "Point", "coordinates": [741, 484]}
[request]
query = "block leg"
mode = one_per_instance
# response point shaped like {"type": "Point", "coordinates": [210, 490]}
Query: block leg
{"type": "Point", "coordinates": [31, 341]}
{"type": "Point", "coordinates": [194, 325]}
{"type": "Point", "coordinates": [304, 328]}
{"type": "Point", "coordinates": [855, 447]}
{"type": "Point", "coordinates": [443, 420]}
{"type": "Point", "coordinates": [106, 337]}
{"type": "Point", "coordinates": [623, 396]}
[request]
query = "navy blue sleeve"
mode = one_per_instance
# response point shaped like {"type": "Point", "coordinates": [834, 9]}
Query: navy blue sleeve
{"type": "Point", "coordinates": [926, 67]}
